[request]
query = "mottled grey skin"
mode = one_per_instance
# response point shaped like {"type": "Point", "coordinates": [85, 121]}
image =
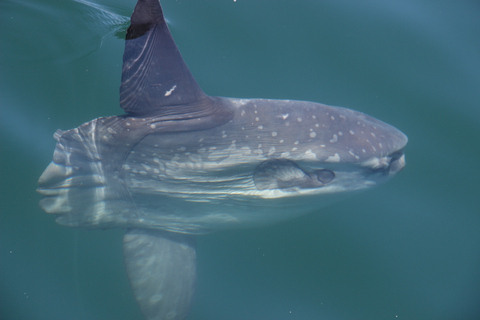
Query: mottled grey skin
{"type": "Point", "coordinates": [181, 163]}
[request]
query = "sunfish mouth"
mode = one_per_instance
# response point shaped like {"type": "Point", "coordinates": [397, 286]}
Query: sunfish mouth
{"type": "Point", "coordinates": [393, 164]}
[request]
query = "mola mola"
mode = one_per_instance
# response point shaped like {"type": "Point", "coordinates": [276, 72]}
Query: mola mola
{"type": "Point", "coordinates": [180, 163]}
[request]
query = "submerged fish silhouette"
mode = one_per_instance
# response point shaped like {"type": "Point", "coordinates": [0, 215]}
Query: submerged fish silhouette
{"type": "Point", "coordinates": [181, 163]}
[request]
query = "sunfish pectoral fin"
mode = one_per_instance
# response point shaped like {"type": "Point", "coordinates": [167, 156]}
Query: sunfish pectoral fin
{"type": "Point", "coordinates": [286, 174]}
{"type": "Point", "coordinates": [162, 272]}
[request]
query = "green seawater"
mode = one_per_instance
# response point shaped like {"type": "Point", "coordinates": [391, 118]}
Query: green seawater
{"type": "Point", "coordinates": [409, 249]}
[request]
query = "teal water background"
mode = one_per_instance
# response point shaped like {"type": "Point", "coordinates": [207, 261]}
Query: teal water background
{"type": "Point", "coordinates": [409, 249]}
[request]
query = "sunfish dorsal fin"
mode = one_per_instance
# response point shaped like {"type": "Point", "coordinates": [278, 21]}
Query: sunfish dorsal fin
{"type": "Point", "coordinates": [154, 75]}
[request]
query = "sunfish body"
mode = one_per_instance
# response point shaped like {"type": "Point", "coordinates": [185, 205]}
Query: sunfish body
{"type": "Point", "coordinates": [181, 163]}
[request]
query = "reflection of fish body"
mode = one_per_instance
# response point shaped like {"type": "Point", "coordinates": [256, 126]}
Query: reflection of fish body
{"type": "Point", "coordinates": [181, 163]}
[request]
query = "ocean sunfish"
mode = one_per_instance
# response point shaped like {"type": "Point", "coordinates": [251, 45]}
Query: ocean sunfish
{"type": "Point", "coordinates": [180, 163]}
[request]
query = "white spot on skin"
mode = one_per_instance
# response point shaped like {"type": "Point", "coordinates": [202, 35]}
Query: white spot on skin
{"type": "Point", "coordinates": [169, 92]}
{"type": "Point", "coordinates": [274, 134]}
{"type": "Point", "coordinates": [334, 158]}
{"type": "Point", "coordinates": [313, 134]}
{"type": "Point", "coordinates": [332, 117]}
{"type": "Point", "coordinates": [285, 154]}
{"type": "Point", "coordinates": [242, 113]}
{"type": "Point", "coordinates": [372, 134]}
{"type": "Point", "coordinates": [281, 141]}
{"type": "Point", "coordinates": [377, 163]}
{"type": "Point", "coordinates": [257, 118]}
{"type": "Point", "coordinates": [334, 139]}
{"type": "Point", "coordinates": [352, 132]}
{"type": "Point", "coordinates": [340, 133]}
{"type": "Point", "coordinates": [260, 127]}
{"type": "Point", "coordinates": [271, 151]}
{"type": "Point", "coordinates": [373, 147]}
{"type": "Point", "coordinates": [317, 125]}
{"type": "Point", "coordinates": [314, 117]}
{"type": "Point", "coordinates": [152, 126]}
{"type": "Point", "coordinates": [294, 149]}
{"type": "Point", "coordinates": [309, 155]}
{"type": "Point", "coordinates": [296, 142]}
{"type": "Point", "coordinates": [299, 119]}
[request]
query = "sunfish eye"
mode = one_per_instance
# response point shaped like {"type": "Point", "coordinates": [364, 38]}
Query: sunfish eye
{"type": "Point", "coordinates": [324, 175]}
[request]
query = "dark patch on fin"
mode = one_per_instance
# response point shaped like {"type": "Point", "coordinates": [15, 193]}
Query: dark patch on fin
{"type": "Point", "coordinates": [286, 174]}
{"type": "Point", "coordinates": [145, 15]}
{"type": "Point", "coordinates": [154, 75]}
{"type": "Point", "coordinates": [162, 272]}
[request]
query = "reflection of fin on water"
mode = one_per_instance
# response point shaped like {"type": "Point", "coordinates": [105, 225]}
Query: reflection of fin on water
{"type": "Point", "coordinates": [102, 17]}
{"type": "Point", "coordinates": [181, 163]}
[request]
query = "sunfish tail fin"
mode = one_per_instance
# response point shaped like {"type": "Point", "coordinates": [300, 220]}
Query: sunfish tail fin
{"type": "Point", "coordinates": [161, 267]}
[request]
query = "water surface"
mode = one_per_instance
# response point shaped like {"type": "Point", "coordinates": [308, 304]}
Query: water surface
{"type": "Point", "coordinates": [407, 250]}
